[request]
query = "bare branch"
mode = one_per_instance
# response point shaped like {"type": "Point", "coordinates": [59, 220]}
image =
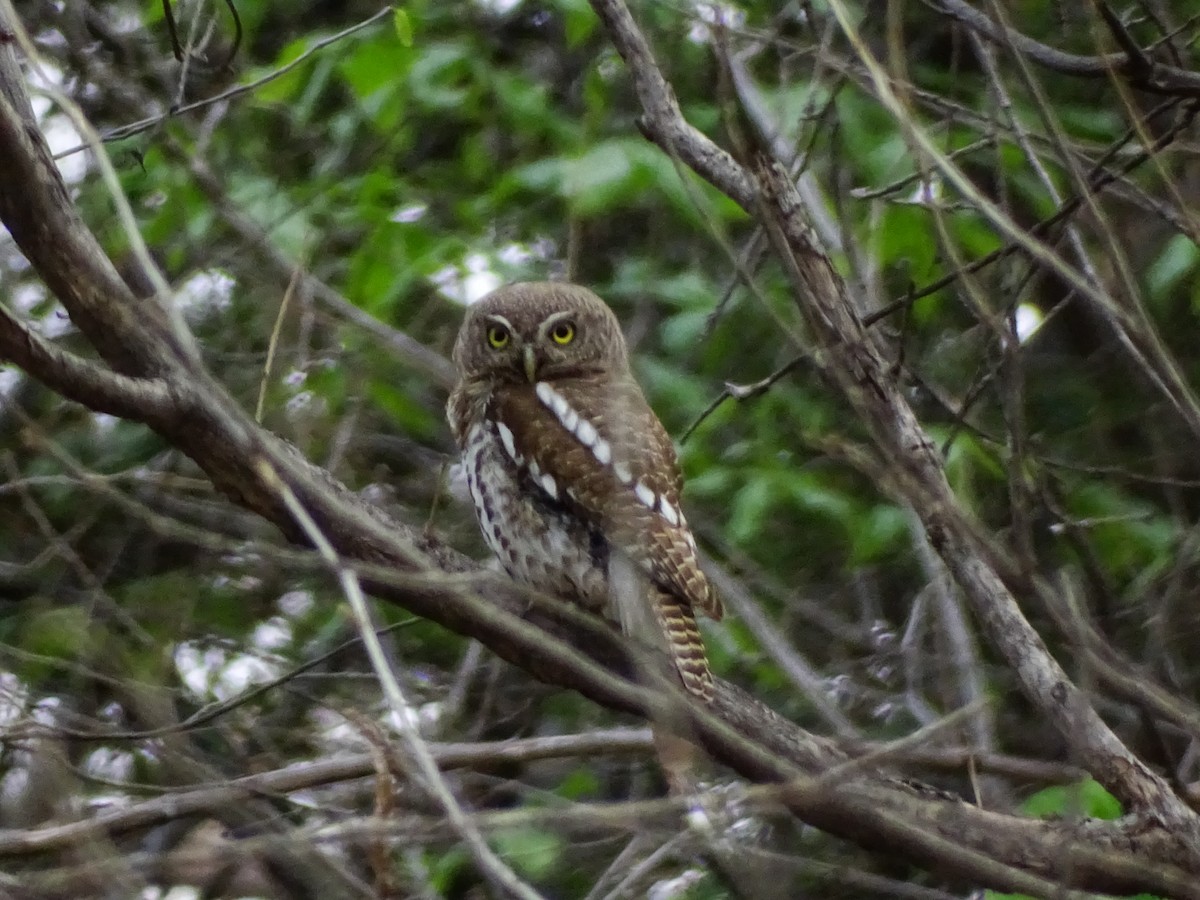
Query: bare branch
{"type": "Point", "coordinates": [317, 773]}
{"type": "Point", "coordinates": [1142, 72]}
{"type": "Point", "coordinates": [238, 90]}
{"type": "Point", "coordinates": [81, 380]}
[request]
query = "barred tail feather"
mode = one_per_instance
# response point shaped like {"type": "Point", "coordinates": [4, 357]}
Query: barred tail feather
{"type": "Point", "coordinates": [684, 642]}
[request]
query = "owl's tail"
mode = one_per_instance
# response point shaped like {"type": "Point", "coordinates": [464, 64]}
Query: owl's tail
{"type": "Point", "coordinates": [651, 612]}
{"type": "Point", "coordinates": [684, 643]}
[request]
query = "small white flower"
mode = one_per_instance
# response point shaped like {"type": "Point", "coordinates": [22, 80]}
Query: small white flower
{"type": "Point", "coordinates": [296, 603]}
{"type": "Point", "coordinates": [414, 212]}
{"type": "Point", "coordinates": [205, 292]}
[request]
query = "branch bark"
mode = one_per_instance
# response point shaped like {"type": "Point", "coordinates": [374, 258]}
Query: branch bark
{"type": "Point", "coordinates": [79, 379]}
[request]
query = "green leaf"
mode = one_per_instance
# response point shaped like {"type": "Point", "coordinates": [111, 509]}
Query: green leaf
{"type": "Point", "coordinates": [533, 852]}
{"type": "Point", "coordinates": [62, 632]}
{"type": "Point", "coordinates": [410, 417]}
{"type": "Point", "coordinates": [580, 784]}
{"type": "Point", "coordinates": [441, 77]}
{"type": "Point", "coordinates": [373, 71]}
{"type": "Point", "coordinates": [283, 88]}
{"type": "Point", "coordinates": [579, 21]}
{"type": "Point", "coordinates": [403, 26]}
{"type": "Point", "coordinates": [1129, 535]}
{"type": "Point", "coordinates": [750, 510]}
{"type": "Point", "coordinates": [1178, 260]}
{"type": "Point", "coordinates": [881, 530]}
{"type": "Point", "coordinates": [600, 178]}
{"type": "Point", "coordinates": [1088, 798]}
{"type": "Point", "coordinates": [446, 866]}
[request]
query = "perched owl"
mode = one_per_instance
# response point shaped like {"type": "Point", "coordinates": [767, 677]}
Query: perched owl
{"type": "Point", "coordinates": [575, 481]}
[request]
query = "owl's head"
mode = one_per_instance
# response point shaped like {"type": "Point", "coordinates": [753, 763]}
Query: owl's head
{"type": "Point", "coordinates": [540, 331]}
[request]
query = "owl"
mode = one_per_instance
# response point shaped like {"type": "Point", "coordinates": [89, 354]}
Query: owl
{"type": "Point", "coordinates": [575, 482]}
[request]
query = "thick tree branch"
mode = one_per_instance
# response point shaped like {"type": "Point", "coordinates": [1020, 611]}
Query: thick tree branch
{"type": "Point", "coordinates": [79, 379]}
{"type": "Point", "coordinates": [131, 335]}
{"type": "Point", "coordinates": [866, 380]}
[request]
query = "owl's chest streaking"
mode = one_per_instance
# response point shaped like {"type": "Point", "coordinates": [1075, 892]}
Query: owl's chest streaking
{"type": "Point", "coordinates": [568, 477]}
{"type": "Point", "coordinates": [538, 538]}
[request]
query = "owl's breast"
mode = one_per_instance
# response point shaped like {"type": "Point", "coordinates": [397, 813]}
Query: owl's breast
{"type": "Point", "coordinates": [538, 538]}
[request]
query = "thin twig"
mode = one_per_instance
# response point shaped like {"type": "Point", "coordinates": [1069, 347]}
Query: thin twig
{"type": "Point", "coordinates": [149, 122]}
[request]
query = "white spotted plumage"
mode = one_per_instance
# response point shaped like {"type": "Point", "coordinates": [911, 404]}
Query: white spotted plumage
{"type": "Point", "coordinates": [571, 473]}
{"type": "Point", "coordinates": [510, 444]}
{"type": "Point", "coordinates": [562, 560]}
{"type": "Point", "coordinates": [645, 496]}
{"type": "Point", "coordinates": [602, 450]}
{"type": "Point", "coordinates": [667, 509]}
{"type": "Point", "coordinates": [571, 420]}
{"type": "Point", "coordinates": [586, 432]}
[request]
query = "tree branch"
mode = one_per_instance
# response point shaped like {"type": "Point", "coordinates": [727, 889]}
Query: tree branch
{"type": "Point", "coordinates": [79, 379]}
{"type": "Point", "coordinates": [1133, 64]}
{"type": "Point", "coordinates": [308, 775]}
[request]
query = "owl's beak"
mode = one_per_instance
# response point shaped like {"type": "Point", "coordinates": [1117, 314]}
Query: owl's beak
{"type": "Point", "coordinates": [530, 361]}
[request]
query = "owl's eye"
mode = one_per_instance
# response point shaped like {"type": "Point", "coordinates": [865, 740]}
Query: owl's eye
{"type": "Point", "coordinates": [497, 336]}
{"type": "Point", "coordinates": [563, 333]}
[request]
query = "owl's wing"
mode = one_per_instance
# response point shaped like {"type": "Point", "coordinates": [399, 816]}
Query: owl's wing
{"type": "Point", "coordinates": [599, 446]}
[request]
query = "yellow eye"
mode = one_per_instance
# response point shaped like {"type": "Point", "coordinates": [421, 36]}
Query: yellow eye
{"type": "Point", "coordinates": [563, 333]}
{"type": "Point", "coordinates": [497, 336]}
